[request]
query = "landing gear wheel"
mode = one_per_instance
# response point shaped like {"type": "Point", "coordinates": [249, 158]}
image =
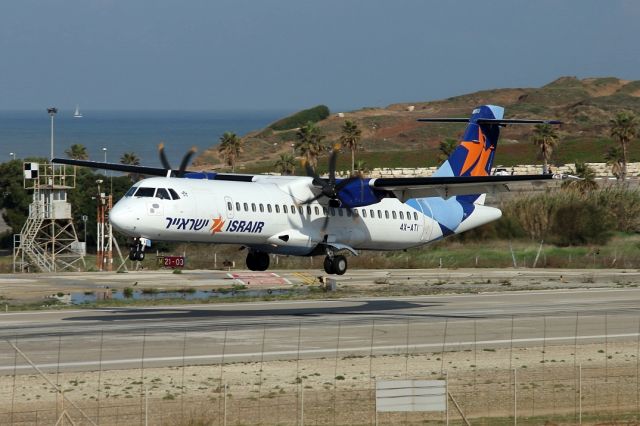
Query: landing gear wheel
{"type": "Point", "coordinates": [251, 261]}
{"type": "Point", "coordinates": [328, 265]}
{"type": "Point", "coordinates": [339, 264]}
{"type": "Point", "coordinates": [136, 252]}
{"type": "Point", "coordinates": [258, 261]}
{"type": "Point", "coordinates": [140, 256]}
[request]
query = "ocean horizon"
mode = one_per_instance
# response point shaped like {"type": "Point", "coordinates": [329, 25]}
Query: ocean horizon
{"type": "Point", "coordinates": [27, 134]}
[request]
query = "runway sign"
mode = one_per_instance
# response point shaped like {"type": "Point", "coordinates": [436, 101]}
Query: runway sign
{"type": "Point", "coordinates": [411, 395]}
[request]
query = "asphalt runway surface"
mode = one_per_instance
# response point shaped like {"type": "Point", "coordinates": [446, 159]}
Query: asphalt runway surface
{"type": "Point", "coordinates": [80, 340]}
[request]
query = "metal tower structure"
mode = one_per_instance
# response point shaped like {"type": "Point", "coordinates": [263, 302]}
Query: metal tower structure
{"type": "Point", "coordinates": [105, 242]}
{"type": "Point", "coordinates": [48, 241]}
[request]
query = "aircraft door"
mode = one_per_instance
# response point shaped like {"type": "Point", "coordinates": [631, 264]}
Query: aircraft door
{"type": "Point", "coordinates": [229, 207]}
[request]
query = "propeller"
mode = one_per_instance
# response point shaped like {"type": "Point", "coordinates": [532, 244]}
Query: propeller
{"type": "Point", "coordinates": [329, 189]}
{"type": "Point", "coordinates": [183, 164]}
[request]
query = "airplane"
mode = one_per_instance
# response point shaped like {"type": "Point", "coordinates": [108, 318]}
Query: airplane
{"type": "Point", "coordinates": [310, 215]}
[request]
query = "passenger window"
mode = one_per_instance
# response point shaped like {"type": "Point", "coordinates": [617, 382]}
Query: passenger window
{"type": "Point", "coordinates": [300, 210]}
{"type": "Point", "coordinates": [355, 212]}
{"type": "Point", "coordinates": [162, 194]}
{"type": "Point", "coordinates": [401, 215]}
{"type": "Point", "coordinates": [269, 208]}
{"type": "Point", "coordinates": [348, 213]}
{"type": "Point", "coordinates": [284, 209]}
{"type": "Point", "coordinates": [317, 210]}
{"type": "Point", "coordinates": [277, 206]}
{"type": "Point", "coordinates": [372, 213]}
{"type": "Point", "coordinates": [174, 194]}
{"type": "Point", "coordinates": [386, 214]}
{"type": "Point", "coordinates": [229, 206]}
{"type": "Point", "coordinates": [379, 214]}
{"type": "Point", "coordinates": [308, 210]}
{"type": "Point", "coordinates": [131, 191]}
{"type": "Point", "coordinates": [332, 210]}
{"type": "Point", "coordinates": [364, 212]}
{"type": "Point", "coordinates": [253, 207]}
{"type": "Point", "coordinates": [145, 192]}
{"type": "Point", "coordinates": [340, 212]}
{"type": "Point", "coordinates": [393, 213]}
{"type": "Point", "coordinates": [237, 206]}
{"type": "Point", "coordinates": [261, 208]}
{"type": "Point", "coordinates": [415, 216]}
{"type": "Point", "coordinates": [324, 210]}
{"type": "Point", "coordinates": [408, 215]}
{"type": "Point", "coordinates": [246, 207]}
{"type": "Point", "coordinates": [293, 209]}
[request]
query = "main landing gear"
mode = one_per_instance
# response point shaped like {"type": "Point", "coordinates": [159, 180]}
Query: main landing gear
{"type": "Point", "coordinates": [335, 264]}
{"type": "Point", "coordinates": [257, 261]}
{"type": "Point", "coordinates": [136, 250]}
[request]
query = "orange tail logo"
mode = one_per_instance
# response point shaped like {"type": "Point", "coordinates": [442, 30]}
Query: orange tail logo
{"type": "Point", "coordinates": [217, 224]}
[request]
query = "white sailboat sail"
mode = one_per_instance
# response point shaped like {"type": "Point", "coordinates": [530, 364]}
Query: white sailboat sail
{"type": "Point", "coordinates": [77, 114]}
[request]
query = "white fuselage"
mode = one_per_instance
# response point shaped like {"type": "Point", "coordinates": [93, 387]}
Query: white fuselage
{"type": "Point", "coordinates": [268, 214]}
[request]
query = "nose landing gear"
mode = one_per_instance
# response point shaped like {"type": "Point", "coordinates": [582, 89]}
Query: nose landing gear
{"type": "Point", "coordinates": [136, 250]}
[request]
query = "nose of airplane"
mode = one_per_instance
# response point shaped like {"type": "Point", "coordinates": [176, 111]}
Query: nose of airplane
{"type": "Point", "coordinates": [122, 218]}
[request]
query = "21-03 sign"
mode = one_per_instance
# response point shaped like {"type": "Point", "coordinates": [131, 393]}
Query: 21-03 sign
{"type": "Point", "coordinates": [173, 262]}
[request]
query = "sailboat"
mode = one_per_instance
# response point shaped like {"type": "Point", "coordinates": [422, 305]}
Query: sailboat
{"type": "Point", "coordinates": [77, 114]}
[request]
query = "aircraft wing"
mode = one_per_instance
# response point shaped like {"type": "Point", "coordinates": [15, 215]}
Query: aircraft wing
{"type": "Point", "coordinates": [407, 188]}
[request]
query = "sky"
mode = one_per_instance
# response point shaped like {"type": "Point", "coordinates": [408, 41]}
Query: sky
{"type": "Point", "coordinates": [293, 54]}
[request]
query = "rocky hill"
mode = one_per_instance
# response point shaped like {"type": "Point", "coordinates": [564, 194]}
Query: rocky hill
{"type": "Point", "coordinates": [391, 136]}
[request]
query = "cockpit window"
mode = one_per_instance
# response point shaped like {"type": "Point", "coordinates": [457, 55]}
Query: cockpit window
{"type": "Point", "coordinates": [145, 192]}
{"type": "Point", "coordinates": [131, 191]}
{"type": "Point", "coordinates": [174, 194]}
{"type": "Point", "coordinates": [162, 194]}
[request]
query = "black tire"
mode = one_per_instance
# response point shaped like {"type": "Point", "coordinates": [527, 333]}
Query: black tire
{"type": "Point", "coordinates": [133, 255]}
{"type": "Point", "coordinates": [262, 261]}
{"type": "Point", "coordinates": [339, 265]}
{"type": "Point", "coordinates": [328, 265]}
{"type": "Point", "coordinates": [251, 261]}
{"type": "Point", "coordinates": [140, 256]}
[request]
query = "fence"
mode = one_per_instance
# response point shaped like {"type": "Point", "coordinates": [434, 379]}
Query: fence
{"type": "Point", "coordinates": [572, 368]}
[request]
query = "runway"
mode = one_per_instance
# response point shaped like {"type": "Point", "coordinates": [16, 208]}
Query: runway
{"type": "Point", "coordinates": [80, 340]}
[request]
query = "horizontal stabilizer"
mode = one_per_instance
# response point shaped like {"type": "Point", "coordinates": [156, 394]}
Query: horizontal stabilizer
{"type": "Point", "coordinates": [501, 122]}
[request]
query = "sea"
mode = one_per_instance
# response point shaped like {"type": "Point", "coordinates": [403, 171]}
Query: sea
{"type": "Point", "coordinates": [27, 134]}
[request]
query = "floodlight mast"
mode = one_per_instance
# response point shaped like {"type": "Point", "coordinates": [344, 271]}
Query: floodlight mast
{"type": "Point", "coordinates": [52, 113]}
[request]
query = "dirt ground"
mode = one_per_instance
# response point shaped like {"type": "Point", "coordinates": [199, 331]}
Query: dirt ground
{"type": "Point", "coordinates": [553, 383]}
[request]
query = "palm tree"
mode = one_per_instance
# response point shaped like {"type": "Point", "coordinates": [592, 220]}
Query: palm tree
{"type": "Point", "coordinates": [230, 148]}
{"type": "Point", "coordinates": [130, 158]}
{"type": "Point", "coordinates": [309, 143]}
{"type": "Point", "coordinates": [545, 138]}
{"type": "Point", "coordinates": [350, 138]}
{"type": "Point", "coordinates": [77, 152]}
{"type": "Point", "coordinates": [614, 158]}
{"type": "Point", "coordinates": [446, 148]}
{"type": "Point", "coordinates": [588, 178]}
{"type": "Point", "coordinates": [286, 164]}
{"type": "Point", "coordinates": [624, 127]}
{"type": "Point", "coordinates": [362, 168]}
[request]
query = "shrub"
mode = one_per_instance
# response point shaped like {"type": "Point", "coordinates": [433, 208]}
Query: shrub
{"type": "Point", "coordinates": [301, 118]}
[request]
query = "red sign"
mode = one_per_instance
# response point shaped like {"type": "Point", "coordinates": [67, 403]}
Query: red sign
{"type": "Point", "coordinates": [173, 262]}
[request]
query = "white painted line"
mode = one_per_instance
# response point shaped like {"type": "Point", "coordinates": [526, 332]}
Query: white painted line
{"type": "Point", "coordinates": [311, 351]}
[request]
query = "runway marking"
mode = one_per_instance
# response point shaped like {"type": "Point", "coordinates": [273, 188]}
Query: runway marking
{"type": "Point", "coordinates": [312, 351]}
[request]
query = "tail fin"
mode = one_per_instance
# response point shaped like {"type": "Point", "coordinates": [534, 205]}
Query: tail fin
{"type": "Point", "coordinates": [474, 155]}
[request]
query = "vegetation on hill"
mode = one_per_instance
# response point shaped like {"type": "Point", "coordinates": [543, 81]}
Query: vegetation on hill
{"type": "Point", "coordinates": [393, 137]}
{"type": "Point", "coordinates": [313, 115]}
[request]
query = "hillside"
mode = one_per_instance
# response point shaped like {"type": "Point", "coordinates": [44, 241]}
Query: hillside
{"type": "Point", "coordinates": [392, 137]}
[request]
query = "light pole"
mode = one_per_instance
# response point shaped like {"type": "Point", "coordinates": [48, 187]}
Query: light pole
{"type": "Point", "coordinates": [52, 113]}
{"type": "Point", "coordinates": [104, 149]}
{"type": "Point", "coordinates": [12, 155]}
{"type": "Point", "coordinates": [84, 219]}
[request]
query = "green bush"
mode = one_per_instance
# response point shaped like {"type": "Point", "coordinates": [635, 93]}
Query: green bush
{"type": "Point", "coordinates": [301, 118]}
